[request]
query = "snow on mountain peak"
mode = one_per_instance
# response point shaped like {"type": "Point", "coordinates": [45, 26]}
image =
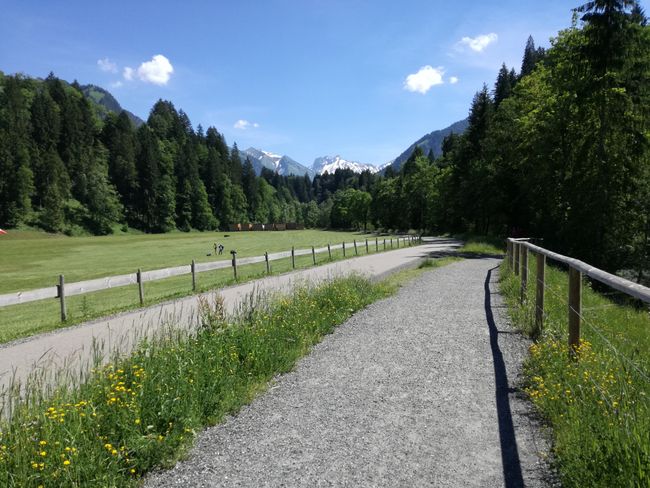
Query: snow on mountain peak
{"type": "Point", "coordinates": [330, 164]}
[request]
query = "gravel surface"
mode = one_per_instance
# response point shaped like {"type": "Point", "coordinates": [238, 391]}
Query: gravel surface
{"type": "Point", "coordinates": [416, 390]}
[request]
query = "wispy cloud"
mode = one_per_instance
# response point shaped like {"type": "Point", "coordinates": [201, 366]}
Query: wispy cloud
{"type": "Point", "coordinates": [453, 80]}
{"type": "Point", "coordinates": [157, 71]}
{"type": "Point", "coordinates": [478, 43]}
{"type": "Point", "coordinates": [424, 79]}
{"type": "Point", "coordinates": [117, 84]}
{"type": "Point", "coordinates": [107, 65]}
{"type": "Point", "coordinates": [242, 124]}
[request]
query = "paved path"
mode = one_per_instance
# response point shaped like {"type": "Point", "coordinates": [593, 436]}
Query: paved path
{"type": "Point", "coordinates": [415, 390]}
{"type": "Point", "coordinates": [71, 350]}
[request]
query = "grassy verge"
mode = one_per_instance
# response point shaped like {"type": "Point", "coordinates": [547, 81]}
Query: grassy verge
{"type": "Point", "coordinates": [144, 411]}
{"type": "Point", "coordinates": [37, 317]}
{"type": "Point", "coordinates": [481, 244]}
{"type": "Point", "coordinates": [598, 405]}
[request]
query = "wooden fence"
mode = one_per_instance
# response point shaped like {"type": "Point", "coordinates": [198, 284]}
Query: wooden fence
{"type": "Point", "coordinates": [63, 289]}
{"type": "Point", "coordinates": [517, 255]}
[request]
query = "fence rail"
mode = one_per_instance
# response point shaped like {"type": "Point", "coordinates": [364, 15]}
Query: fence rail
{"type": "Point", "coordinates": [517, 255]}
{"type": "Point", "coordinates": [98, 284]}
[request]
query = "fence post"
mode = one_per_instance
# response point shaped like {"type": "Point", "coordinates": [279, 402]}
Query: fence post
{"type": "Point", "coordinates": [140, 287]}
{"type": "Point", "coordinates": [508, 252]}
{"type": "Point", "coordinates": [266, 258]}
{"type": "Point", "coordinates": [234, 263]}
{"type": "Point", "coordinates": [376, 244]}
{"type": "Point", "coordinates": [367, 246]}
{"type": "Point", "coordinates": [293, 258]}
{"type": "Point", "coordinates": [384, 244]}
{"type": "Point", "coordinates": [61, 287]}
{"type": "Point", "coordinates": [355, 248]}
{"type": "Point", "coordinates": [193, 275]}
{"type": "Point", "coordinates": [524, 273]}
{"type": "Point", "coordinates": [329, 251]}
{"type": "Point", "coordinates": [539, 295]}
{"type": "Point", "coordinates": [313, 255]}
{"type": "Point", "coordinates": [398, 243]}
{"type": "Point", "coordinates": [343, 248]}
{"type": "Point", "coordinates": [575, 309]}
{"type": "Point", "coordinates": [517, 248]}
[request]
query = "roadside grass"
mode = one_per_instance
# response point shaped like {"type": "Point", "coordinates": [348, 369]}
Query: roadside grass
{"type": "Point", "coordinates": [144, 411]}
{"type": "Point", "coordinates": [481, 244]}
{"type": "Point", "coordinates": [27, 319]}
{"type": "Point", "coordinates": [598, 406]}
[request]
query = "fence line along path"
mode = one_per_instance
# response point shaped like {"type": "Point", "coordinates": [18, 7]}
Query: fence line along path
{"type": "Point", "coordinates": [73, 347]}
{"type": "Point", "coordinates": [63, 289]}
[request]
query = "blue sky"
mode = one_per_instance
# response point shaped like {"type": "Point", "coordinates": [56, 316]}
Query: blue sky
{"type": "Point", "coordinates": [304, 78]}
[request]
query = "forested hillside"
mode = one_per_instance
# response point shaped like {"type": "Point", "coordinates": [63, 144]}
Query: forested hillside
{"type": "Point", "coordinates": [64, 169]}
{"type": "Point", "coordinates": [558, 150]}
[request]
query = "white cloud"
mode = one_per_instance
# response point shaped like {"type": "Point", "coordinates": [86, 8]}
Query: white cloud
{"type": "Point", "coordinates": [157, 71]}
{"type": "Point", "coordinates": [117, 84]}
{"type": "Point", "coordinates": [453, 80]}
{"type": "Point", "coordinates": [424, 79]}
{"type": "Point", "coordinates": [107, 65]}
{"type": "Point", "coordinates": [478, 43]}
{"type": "Point", "coordinates": [245, 124]}
{"type": "Point", "coordinates": [129, 73]}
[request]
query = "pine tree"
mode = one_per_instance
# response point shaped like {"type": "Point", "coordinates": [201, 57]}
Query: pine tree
{"type": "Point", "coordinates": [503, 86]}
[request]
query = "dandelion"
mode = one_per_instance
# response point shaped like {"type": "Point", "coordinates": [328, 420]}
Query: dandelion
{"type": "Point", "coordinates": [66, 462]}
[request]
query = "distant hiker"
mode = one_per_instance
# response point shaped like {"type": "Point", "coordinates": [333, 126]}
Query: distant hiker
{"type": "Point", "coordinates": [220, 248]}
{"type": "Point", "coordinates": [215, 248]}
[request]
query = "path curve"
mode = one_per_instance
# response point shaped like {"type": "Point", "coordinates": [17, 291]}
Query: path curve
{"type": "Point", "coordinates": [415, 390]}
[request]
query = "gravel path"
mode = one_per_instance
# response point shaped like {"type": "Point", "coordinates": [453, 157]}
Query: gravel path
{"type": "Point", "coordinates": [415, 390]}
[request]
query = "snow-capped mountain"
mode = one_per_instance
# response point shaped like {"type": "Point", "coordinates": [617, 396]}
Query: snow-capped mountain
{"type": "Point", "coordinates": [282, 165]}
{"type": "Point", "coordinates": [330, 164]}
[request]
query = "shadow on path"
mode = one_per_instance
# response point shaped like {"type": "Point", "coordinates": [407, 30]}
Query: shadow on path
{"type": "Point", "coordinates": [509, 452]}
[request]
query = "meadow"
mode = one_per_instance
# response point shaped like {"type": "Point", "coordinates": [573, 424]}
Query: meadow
{"type": "Point", "coordinates": [598, 403]}
{"type": "Point", "coordinates": [35, 259]}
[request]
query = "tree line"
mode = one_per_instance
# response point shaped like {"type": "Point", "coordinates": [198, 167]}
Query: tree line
{"type": "Point", "coordinates": [558, 150]}
{"type": "Point", "coordinates": [64, 169]}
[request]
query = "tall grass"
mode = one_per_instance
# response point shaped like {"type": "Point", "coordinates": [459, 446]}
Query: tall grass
{"type": "Point", "coordinates": [144, 411]}
{"type": "Point", "coordinates": [597, 404]}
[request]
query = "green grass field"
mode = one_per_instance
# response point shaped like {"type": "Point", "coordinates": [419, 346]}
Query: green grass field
{"type": "Point", "coordinates": [32, 260]}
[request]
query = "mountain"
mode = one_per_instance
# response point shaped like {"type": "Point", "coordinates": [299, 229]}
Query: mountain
{"type": "Point", "coordinates": [104, 103]}
{"type": "Point", "coordinates": [283, 165]}
{"type": "Point", "coordinates": [330, 164]}
{"type": "Point", "coordinates": [431, 141]}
